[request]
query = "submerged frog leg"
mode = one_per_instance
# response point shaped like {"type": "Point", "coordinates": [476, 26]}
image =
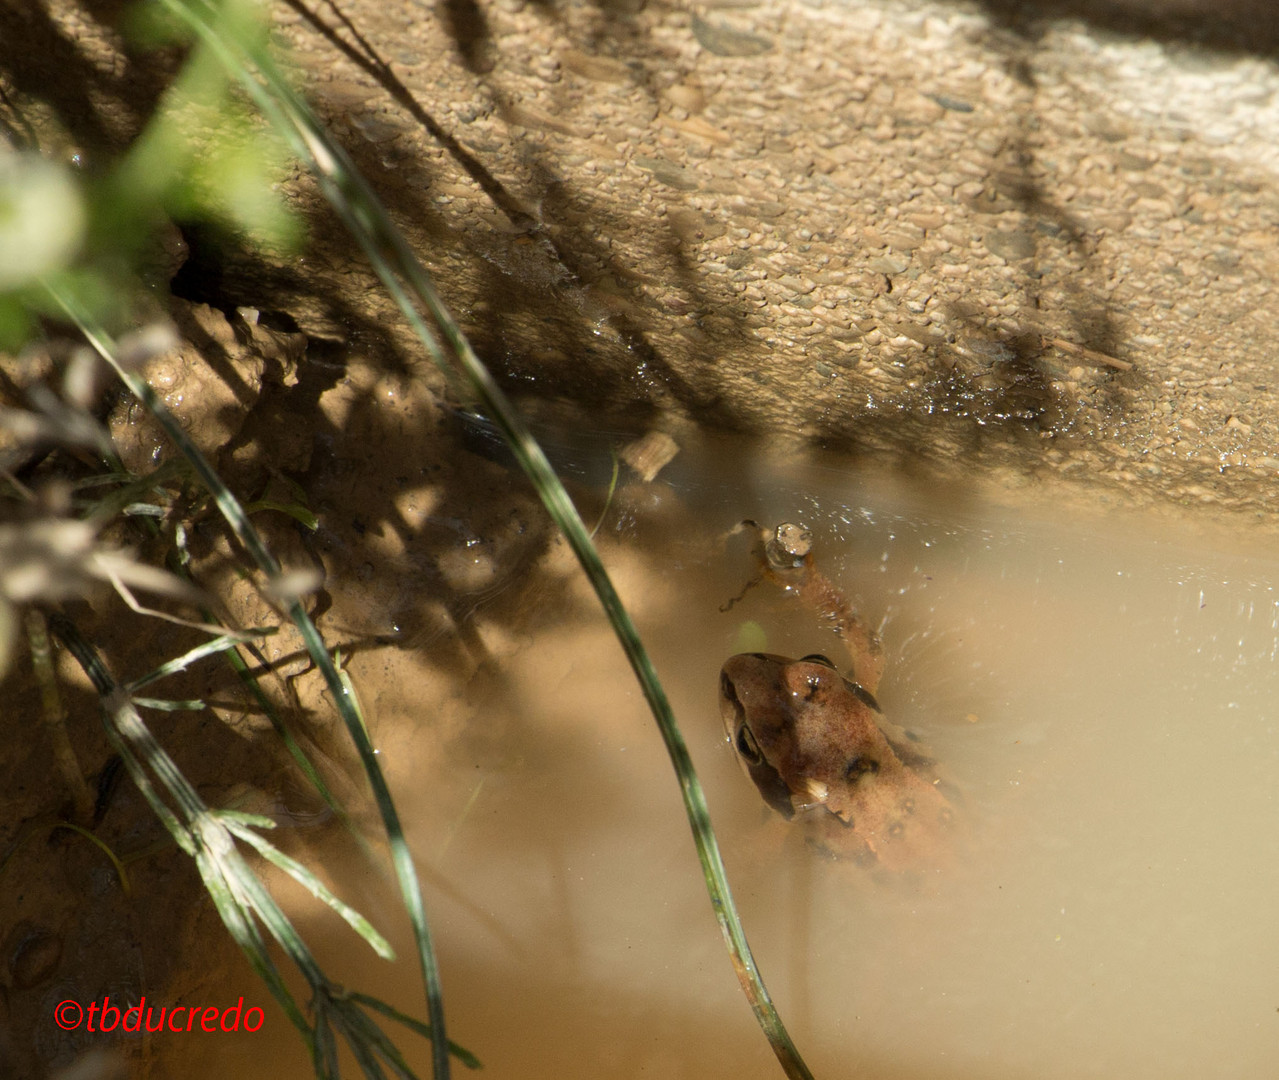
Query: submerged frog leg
{"type": "Point", "coordinates": [785, 557]}
{"type": "Point", "coordinates": [862, 643]}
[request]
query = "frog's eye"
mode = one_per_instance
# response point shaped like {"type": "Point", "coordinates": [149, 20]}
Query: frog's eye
{"type": "Point", "coordinates": [747, 746]}
{"type": "Point", "coordinates": [818, 658]}
{"type": "Point", "coordinates": [860, 766]}
{"type": "Point", "coordinates": [862, 694]}
{"type": "Point", "coordinates": [727, 690]}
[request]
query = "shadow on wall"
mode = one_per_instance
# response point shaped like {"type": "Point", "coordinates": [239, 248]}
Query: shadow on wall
{"type": "Point", "coordinates": [562, 238]}
{"type": "Point", "coordinates": [1245, 26]}
{"type": "Point", "coordinates": [539, 314]}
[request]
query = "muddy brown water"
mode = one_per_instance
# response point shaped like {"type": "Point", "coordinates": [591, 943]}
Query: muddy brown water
{"type": "Point", "coordinates": [1099, 693]}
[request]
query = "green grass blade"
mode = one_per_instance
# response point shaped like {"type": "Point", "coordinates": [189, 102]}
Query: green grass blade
{"type": "Point", "coordinates": [402, 274]}
{"type": "Point", "coordinates": [106, 850]}
{"type": "Point", "coordinates": [222, 643]}
{"type": "Point", "coordinates": [168, 705]}
{"type": "Point", "coordinates": [132, 740]}
{"type": "Point", "coordinates": [297, 512]}
{"type": "Point", "coordinates": [460, 1052]}
{"type": "Point", "coordinates": [233, 512]}
{"type": "Point", "coordinates": [311, 883]}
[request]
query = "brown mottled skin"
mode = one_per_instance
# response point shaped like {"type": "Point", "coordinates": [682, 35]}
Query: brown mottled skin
{"type": "Point", "coordinates": [814, 742]}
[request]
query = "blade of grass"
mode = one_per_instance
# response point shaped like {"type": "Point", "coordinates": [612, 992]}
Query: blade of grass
{"type": "Point", "coordinates": [233, 512]}
{"type": "Point", "coordinates": [119, 866]}
{"type": "Point", "coordinates": [239, 825]}
{"type": "Point", "coordinates": [132, 740]}
{"type": "Point", "coordinates": [237, 892]}
{"type": "Point", "coordinates": [222, 643]}
{"type": "Point", "coordinates": [405, 279]}
{"type": "Point", "coordinates": [181, 560]}
{"type": "Point", "coordinates": [55, 717]}
{"type": "Point", "coordinates": [460, 1052]}
{"type": "Point", "coordinates": [168, 705]}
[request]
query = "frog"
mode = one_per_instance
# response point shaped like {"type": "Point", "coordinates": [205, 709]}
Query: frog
{"type": "Point", "coordinates": [815, 741]}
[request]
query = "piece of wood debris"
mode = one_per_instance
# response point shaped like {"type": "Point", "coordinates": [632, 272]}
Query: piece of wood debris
{"type": "Point", "coordinates": [1088, 354]}
{"type": "Point", "coordinates": [649, 454]}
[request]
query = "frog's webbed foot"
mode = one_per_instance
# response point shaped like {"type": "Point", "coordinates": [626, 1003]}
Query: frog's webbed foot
{"type": "Point", "coordinates": [787, 548]}
{"type": "Point", "coordinates": [909, 750]}
{"type": "Point", "coordinates": [778, 552]}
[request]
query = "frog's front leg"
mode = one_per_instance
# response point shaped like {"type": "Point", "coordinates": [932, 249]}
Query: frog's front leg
{"type": "Point", "coordinates": [785, 555]}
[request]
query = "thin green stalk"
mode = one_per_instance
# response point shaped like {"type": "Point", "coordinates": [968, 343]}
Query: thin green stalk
{"type": "Point", "coordinates": [407, 281]}
{"type": "Point", "coordinates": [102, 846]}
{"type": "Point", "coordinates": [132, 740]}
{"type": "Point", "coordinates": [233, 512]}
{"type": "Point", "coordinates": [209, 837]}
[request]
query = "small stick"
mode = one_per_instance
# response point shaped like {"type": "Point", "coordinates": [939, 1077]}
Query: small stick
{"type": "Point", "coordinates": [1088, 354]}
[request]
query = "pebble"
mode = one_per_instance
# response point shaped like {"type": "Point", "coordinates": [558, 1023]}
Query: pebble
{"type": "Point", "coordinates": [669, 173]}
{"type": "Point", "coordinates": [724, 40]}
{"type": "Point", "coordinates": [888, 264]}
{"type": "Point", "coordinates": [951, 104]}
{"type": "Point", "coordinates": [687, 96]}
{"type": "Point", "coordinates": [599, 68]}
{"type": "Point", "coordinates": [796, 284]}
{"type": "Point", "coordinates": [1010, 245]}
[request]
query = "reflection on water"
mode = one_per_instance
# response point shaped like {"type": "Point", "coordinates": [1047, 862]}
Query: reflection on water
{"type": "Point", "coordinates": [1101, 701]}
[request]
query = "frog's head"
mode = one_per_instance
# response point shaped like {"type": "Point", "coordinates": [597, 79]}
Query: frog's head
{"type": "Point", "coordinates": [800, 728]}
